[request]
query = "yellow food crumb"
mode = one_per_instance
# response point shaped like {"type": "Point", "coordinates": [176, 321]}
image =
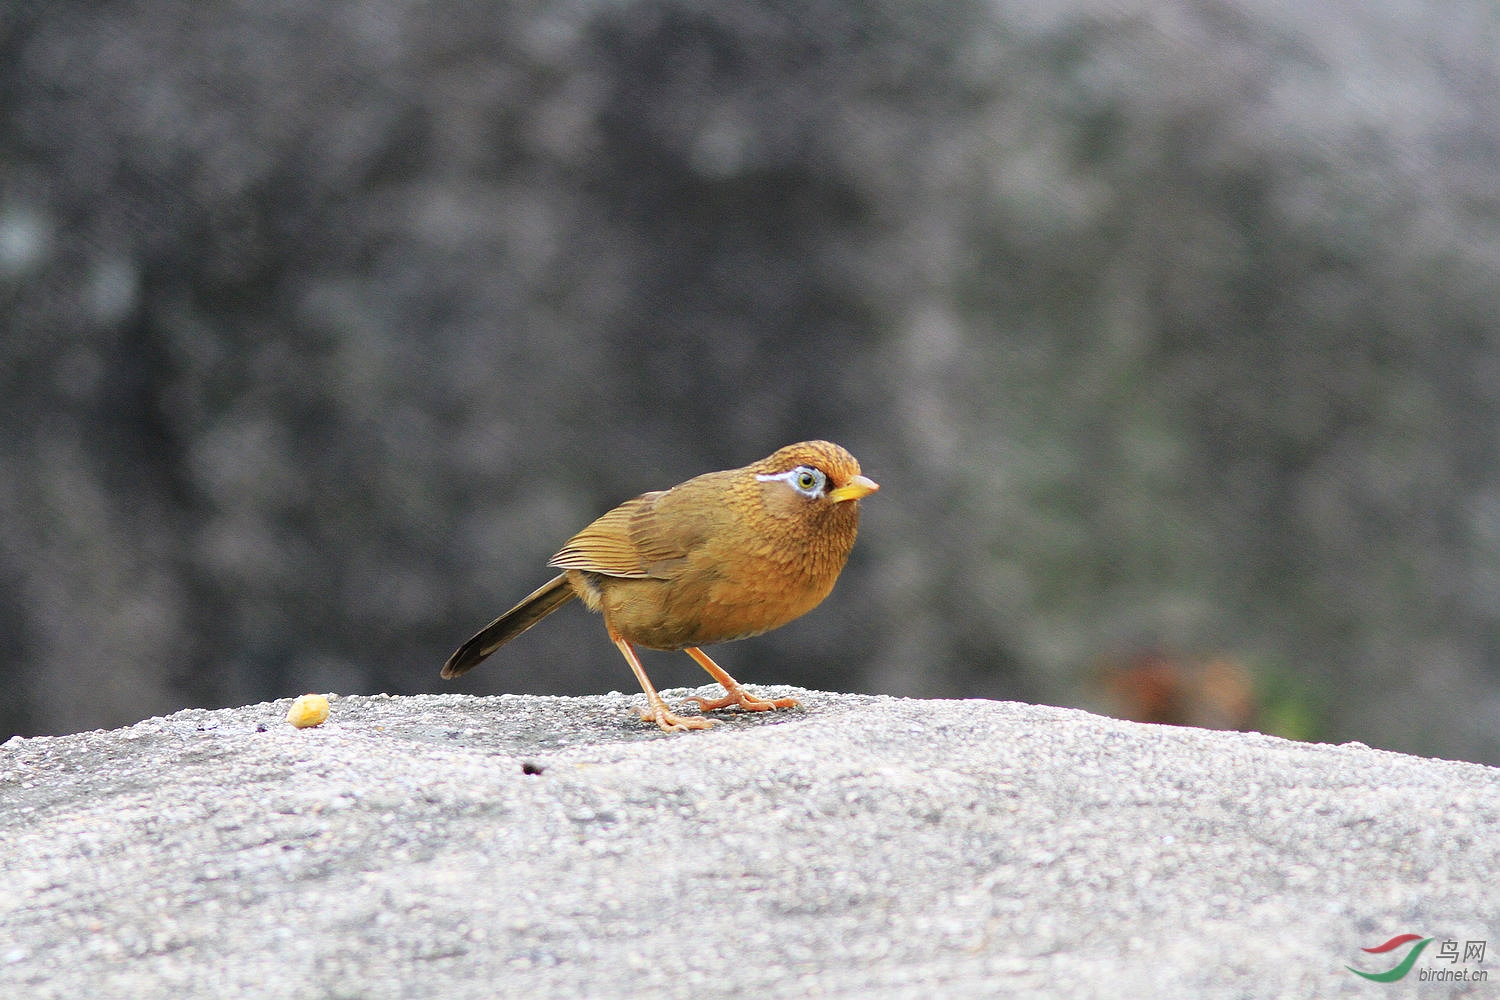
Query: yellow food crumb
{"type": "Point", "coordinates": [308, 710]}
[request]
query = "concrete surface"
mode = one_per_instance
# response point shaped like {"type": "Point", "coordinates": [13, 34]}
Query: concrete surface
{"type": "Point", "coordinates": [451, 846]}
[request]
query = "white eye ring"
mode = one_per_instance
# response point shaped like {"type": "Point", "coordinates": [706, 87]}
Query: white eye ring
{"type": "Point", "coordinates": [804, 479]}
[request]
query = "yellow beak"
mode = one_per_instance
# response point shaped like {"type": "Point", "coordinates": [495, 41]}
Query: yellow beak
{"type": "Point", "coordinates": [855, 488]}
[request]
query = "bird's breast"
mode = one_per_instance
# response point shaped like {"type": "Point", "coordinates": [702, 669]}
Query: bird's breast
{"type": "Point", "coordinates": [728, 588]}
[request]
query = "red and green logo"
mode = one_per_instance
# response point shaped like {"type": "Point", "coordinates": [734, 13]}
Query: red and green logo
{"type": "Point", "coordinates": [1402, 967]}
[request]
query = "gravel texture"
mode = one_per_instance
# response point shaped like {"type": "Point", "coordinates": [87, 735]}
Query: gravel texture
{"type": "Point", "coordinates": [452, 846]}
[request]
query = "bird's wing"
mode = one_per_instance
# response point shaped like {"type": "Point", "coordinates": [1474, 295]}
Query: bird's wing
{"type": "Point", "coordinates": [628, 541]}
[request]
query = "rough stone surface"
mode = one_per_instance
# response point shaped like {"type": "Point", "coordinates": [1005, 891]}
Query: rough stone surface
{"type": "Point", "coordinates": [452, 846]}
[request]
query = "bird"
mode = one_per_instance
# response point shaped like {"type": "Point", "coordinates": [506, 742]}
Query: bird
{"type": "Point", "coordinates": [723, 556]}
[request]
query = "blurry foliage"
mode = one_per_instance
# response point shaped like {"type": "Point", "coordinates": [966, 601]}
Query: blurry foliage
{"type": "Point", "coordinates": [1215, 692]}
{"type": "Point", "coordinates": [1166, 325]}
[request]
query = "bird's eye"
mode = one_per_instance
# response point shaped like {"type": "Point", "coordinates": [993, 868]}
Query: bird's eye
{"type": "Point", "coordinates": [804, 479]}
{"type": "Point", "coordinates": [807, 481]}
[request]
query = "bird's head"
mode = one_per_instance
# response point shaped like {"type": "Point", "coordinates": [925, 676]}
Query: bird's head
{"type": "Point", "coordinates": [817, 471]}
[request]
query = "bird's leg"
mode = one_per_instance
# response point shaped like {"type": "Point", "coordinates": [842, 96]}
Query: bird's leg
{"type": "Point", "coordinates": [657, 710]}
{"type": "Point", "coordinates": [735, 693]}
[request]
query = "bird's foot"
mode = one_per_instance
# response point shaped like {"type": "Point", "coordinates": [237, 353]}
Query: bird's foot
{"type": "Point", "coordinates": [740, 698]}
{"type": "Point", "coordinates": [669, 721]}
{"type": "Point", "coordinates": [734, 694]}
{"type": "Point", "coordinates": [656, 709]}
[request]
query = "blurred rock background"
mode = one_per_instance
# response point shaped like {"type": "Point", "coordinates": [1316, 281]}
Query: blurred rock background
{"type": "Point", "coordinates": [1169, 329]}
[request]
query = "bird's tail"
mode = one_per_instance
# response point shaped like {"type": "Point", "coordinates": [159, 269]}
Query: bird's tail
{"type": "Point", "coordinates": [533, 608]}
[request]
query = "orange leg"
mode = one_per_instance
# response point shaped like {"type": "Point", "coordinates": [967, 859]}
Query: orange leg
{"type": "Point", "coordinates": [657, 708]}
{"type": "Point", "coordinates": [736, 694]}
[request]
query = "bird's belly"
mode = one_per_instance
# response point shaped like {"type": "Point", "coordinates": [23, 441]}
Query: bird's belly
{"type": "Point", "coordinates": [672, 614]}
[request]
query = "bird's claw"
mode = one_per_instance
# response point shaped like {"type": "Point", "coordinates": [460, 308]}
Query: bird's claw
{"type": "Point", "coordinates": [740, 698]}
{"type": "Point", "coordinates": [671, 722]}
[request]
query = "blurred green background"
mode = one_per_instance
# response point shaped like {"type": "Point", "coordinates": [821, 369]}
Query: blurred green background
{"type": "Point", "coordinates": [1169, 329]}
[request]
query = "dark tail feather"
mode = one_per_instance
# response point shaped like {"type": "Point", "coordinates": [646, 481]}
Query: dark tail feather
{"type": "Point", "coordinates": [537, 605]}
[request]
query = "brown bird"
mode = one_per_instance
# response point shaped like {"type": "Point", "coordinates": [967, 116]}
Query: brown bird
{"type": "Point", "coordinates": [723, 556]}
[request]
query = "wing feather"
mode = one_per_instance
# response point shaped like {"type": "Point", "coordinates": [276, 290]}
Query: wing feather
{"type": "Point", "coordinates": [650, 536]}
{"type": "Point", "coordinates": [605, 546]}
